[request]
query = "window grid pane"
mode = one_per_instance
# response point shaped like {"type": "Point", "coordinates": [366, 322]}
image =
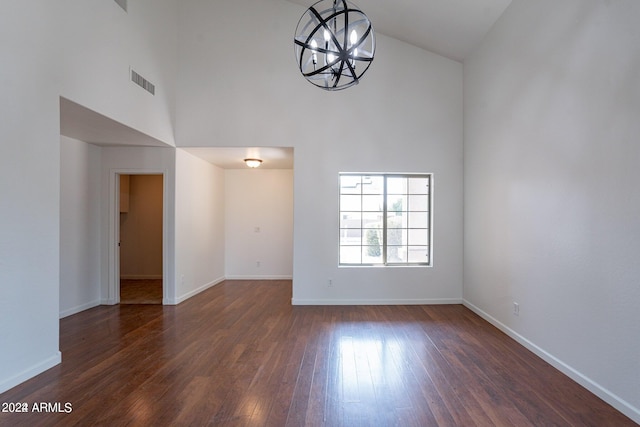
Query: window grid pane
{"type": "Point", "coordinates": [385, 219]}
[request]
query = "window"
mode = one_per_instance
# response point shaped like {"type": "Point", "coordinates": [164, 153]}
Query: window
{"type": "Point", "coordinates": [385, 219]}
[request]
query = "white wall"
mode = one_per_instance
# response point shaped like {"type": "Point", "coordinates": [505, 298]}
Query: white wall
{"type": "Point", "coordinates": [552, 101]}
{"type": "Point", "coordinates": [199, 222]}
{"type": "Point", "coordinates": [405, 116]}
{"type": "Point", "coordinates": [101, 43]}
{"type": "Point", "coordinates": [259, 224]}
{"type": "Point", "coordinates": [135, 160]}
{"type": "Point", "coordinates": [79, 49]}
{"type": "Point", "coordinates": [29, 190]}
{"type": "Point", "coordinates": [79, 226]}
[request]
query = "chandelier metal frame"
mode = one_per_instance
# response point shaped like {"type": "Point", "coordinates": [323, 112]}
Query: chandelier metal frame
{"type": "Point", "coordinates": [334, 44]}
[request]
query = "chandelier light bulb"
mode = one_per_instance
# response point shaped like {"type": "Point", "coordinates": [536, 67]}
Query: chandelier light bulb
{"type": "Point", "coordinates": [314, 49]}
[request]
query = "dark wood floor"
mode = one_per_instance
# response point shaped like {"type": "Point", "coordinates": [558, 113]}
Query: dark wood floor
{"type": "Point", "coordinates": [239, 354]}
{"type": "Point", "coordinates": [141, 291]}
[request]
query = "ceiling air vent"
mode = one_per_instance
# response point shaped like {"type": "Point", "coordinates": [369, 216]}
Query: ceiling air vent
{"type": "Point", "coordinates": [143, 83]}
{"type": "Point", "coordinates": [122, 4]}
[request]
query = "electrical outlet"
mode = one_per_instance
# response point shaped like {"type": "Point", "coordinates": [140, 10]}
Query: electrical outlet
{"type": "Point", "coordinates": [330, 283]}
{"type": "Point", "coordinates": [257, 263]}
{"type": "Point", "coordinates": [516, 309]}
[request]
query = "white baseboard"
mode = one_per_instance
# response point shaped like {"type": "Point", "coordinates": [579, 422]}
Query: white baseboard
{"type": "Point", "coordinates": [194, 292]}
{"type": "Point", "coordinates": [78, 309]}
{"type": "Point", "coordinates": [31, 372]}
{"type": "Point", "coordinates": [259, 278]}
{"type": "Point", "coordinates": [620, 404]}
{"type": "Point", "coordinates": [437, 301]}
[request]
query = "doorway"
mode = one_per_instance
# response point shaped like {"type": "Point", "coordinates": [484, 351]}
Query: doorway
{"type": "Point", "coordinates": [140, 240]}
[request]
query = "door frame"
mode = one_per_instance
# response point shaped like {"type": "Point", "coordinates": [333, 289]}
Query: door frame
{"type": "Point", "coordinates": [112, 296]}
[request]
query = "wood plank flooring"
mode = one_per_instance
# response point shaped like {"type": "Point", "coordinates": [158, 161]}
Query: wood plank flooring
{"type": "Point", "coordinates": [239, 354]}
{"type": "Point", "coordinates": [140, 291]}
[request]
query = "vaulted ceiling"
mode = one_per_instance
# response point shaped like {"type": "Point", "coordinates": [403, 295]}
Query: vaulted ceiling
{"type": "Point", "coordinates": [450, 28]}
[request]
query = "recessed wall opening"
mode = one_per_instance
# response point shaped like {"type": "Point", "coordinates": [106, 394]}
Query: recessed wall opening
{"type": "Point", "coordinates": [257, 209]}
{"type": "Point", "coordinates": [140, 243]}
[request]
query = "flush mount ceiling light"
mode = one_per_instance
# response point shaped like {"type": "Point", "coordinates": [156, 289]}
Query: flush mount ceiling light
{"type": "Point", "coordinates": [334, 44]}
{"type": "Point", "coordinates": [253, 163]}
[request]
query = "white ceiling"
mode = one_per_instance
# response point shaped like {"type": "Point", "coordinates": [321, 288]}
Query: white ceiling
{"type": "Point", "coordinates": [450, 28]}
{"type": "Point", "coordinates": [80, 123]}
{"type": "Point", "coordinates": [233, 157]}
{"type": "Point", "coordinates": [89, 126]}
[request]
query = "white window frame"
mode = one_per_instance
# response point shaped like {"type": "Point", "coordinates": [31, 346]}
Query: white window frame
{"type": "Point", "coordinates": [385, 258]}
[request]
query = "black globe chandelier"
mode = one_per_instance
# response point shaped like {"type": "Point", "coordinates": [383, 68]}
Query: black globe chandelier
{"type": "Point", "coordinates": [334, 44]}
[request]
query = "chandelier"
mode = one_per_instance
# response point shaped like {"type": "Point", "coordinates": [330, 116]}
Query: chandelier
{"type": "Point", "coordinates": [334, 44]}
